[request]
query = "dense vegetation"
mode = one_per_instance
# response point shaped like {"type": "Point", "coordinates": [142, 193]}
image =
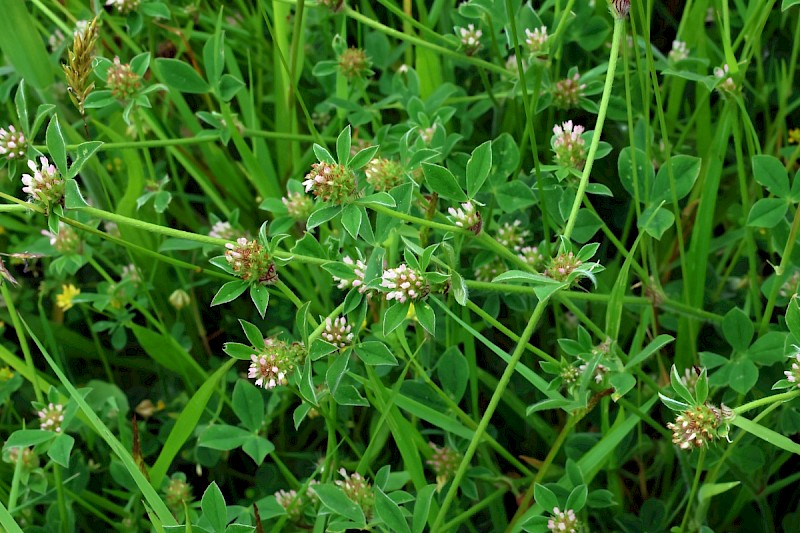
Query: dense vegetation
{"type": "Point", "coordinates": [399, 265]}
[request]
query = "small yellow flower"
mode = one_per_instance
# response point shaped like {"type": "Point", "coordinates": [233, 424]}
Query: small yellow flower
{"type": "Point", "coordinates": [794, 136]}
{"type": "Point", "coordinates": [6, 374]}
{"type": "Point", "coordinates": [68, 293]}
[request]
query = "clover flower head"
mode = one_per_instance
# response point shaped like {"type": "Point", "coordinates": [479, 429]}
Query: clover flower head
{"type": "Point", "coordinates": [223, 229]}
{"type": "Point", "coordinates": [359, 267]}
{"type": "Point", "coordinates": [358, 489]}
{"type": "Point", "coordinates": [404, 283]}
{"type": "Point", "coordinates": [338, 332]}
{"type": "Point", "coordinates": [330, 182]}
{"type": "Point", "coordinates": [562, 265]}
{"type": "Point", "coordinates": [426, 134]}
{"type": "Point", "coordinates": [251, 261]}
{"type": "Point", "coordinates": [470, 38]}
{"type": "Point", "coordinates": [291, 502]}
{"type": "Point", "coordinates": [66, 240]}
{"type": "Point", "coordinates": [122, 80]}
{"type": "Point", "coordinates": [563, 521]}
{"type": "Point", "coordinates": [272, 366]}
{"type": "Point", "coordinates": [444, 462]}
{"type": "Point", "coordinates": [568, 145]}
{"type": "Point", "coordinates": [567, 92]}
{"type": "Point", "coordinates": [51, 417]}
{"type": "Point", "coordinates": [384, 174]}
{"type": "Point", "coordinates": [726, 83]}
{"type": "Point", "coordinates": [27, 456]}
{"type": "Point", "coordinates": [354, 63]}
{"type": "Point", "coordinates": [532, 256]}
{"type": "Point", "coordinates": [512, 235]}
{"type": "Point", "coordinates": [467, 217]}
{"type": "Point", "coordinates": [124, 7]}
{"type": "Point", "coordinates": [699, 425]}
{"type": "Point", "coordinates": [177, 492]}
{"type": "Point", "coordinates": [793, 374]}
{"type": "Point", "coordinates": [131, 272]}
{"type": "Point", "coordinates": [12, 143]}
{"type": "Point", "coordinates": [298, 205]}
{"type": "Point", "coordinates": [536, 40]}
{"type": "Point", "coordinates": [679, 51]}
{"type": "Point", "coordinates": [179, 299]}
{"type": "Point", "coordinates": [45, 185]}
{"type": "Point", "coordinates": [489, 271]}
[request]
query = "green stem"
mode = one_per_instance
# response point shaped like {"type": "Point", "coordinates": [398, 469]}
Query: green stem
{"type": "Point", "coordinates": [783, 397]}
{"type": "Point", "coordinates": [695, 484]}
{"type": "Point", "coordinates": [23, 340]}
{"type": "Point", "coordinates": [487, 416]}
{"type": "Point", "coordinates": [785, 260]}
{"type": "Point", "coordinates": [619, 25]}
{"type": "Point", "coordinates": [62, 500]}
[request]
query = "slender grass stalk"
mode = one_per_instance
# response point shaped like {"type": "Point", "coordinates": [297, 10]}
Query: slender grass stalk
{"type": "Point", "coordinates": [487, 416]}
{"type": "Point", "coordinates": [695, 485]}
{"type": "Point", "coordinates": [619, 26]}
{"type": "Point", "coordinates": [23, 340]}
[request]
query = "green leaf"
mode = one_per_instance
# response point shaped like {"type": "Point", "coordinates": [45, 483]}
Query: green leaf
{"type": "Point", "coordinates": [60, 449]}
{"type": "Point", "coordinates": [351, 220]}
{"type": "Point", "coordinates": [363, 157]}
{"type": "Point", "coordinates": [155, 10]}
{"type": "Point", "coordinates": [655, 221]}
{"type": "Point", "coordinates": [426, 317]}
{"type": "Point", "coordinates": [323, 155]}
{"type": "Point", "coordinates": [181, 76]}
{"type": "Point", "coordinates": [793, 318]}
{"type": "Point", "coordinates": [453, 373]}
{"type": "Point", "coordinates": [214, 510]}
{"type": "Point", "coordinates": [685, 170]}
{"type": "Point", "coordinates": [23, 438]}
{"type": "Point", "coordinates": [768, 349]}
{"type": "Point", "coordinates": [55, 145]}
{"type": "Point", "coordinates": [214, 53]}
{"type": "Point", "coordinates": [737, 329]}
{"type": "Point", "coordinates": [343, 143]}
{"type": "Point", "coordinates": [320, 348]}
{"type": "Point", "coordinates": [84, 152]}
{"type": "Point", "coordinates": [773, 437]}
{"type": "Point", "coordinates": [770, 172]}
{"type": "Point", "coordinates": [336, 371]}
{"type": "Point", "coordinates": [709, 490]}
{"type": "Point", "coordinates": [422, 508]}
{"type": "Point", "coordinates": [229, 86]}
{"type": "Point", "coordinates": [73, 199]}
{"type": "Point", "coordinates": [786, 4]}
{"type": "Point", "coordinates": [238, 350]}
{"type": "Point", "coordinates": [223, 437]}
{"type": "Point", "coordinates": [375, 353]}
{"type": "Point", "coordinates": [545, 497]}
{"type": "Point", "coordinates": [252, 333]}
{"type": "Point", "coordinates": [379, 198]}
{"type": "Point", "coordinates": [679, 387]}
{"type": "Point", "coordinates": [478, 168]}
{"type": "Point", "coordinates": [260, 297]}
{"type": "Point", "coordinates": [645, 174]}
{"type": "Point", "coordinates": [394, 317]}
{"type": "Point", "coordinates": [459, 286]}
{"type": "Point", "coordinates": [320, 216]}
{"type": "Point", "coordinates": [248, 404]}
{"type": "Point", "coordinates": [622, 383]}
{"type": "Point", "coordinates": [229, 292]}
{"type": "Point", "coordinates": [335, 499]}
{"type": "Point", "coordinates": [577, 498]}
{"type": "Point", "coordinates": [441, 181]}
{"type": "Point", "coordinates": [767, 212]}
{"type": "Point", "coordinates": [388, 511]}
{"type": "Point", "coordinates": [513, 196]}
{"type": "Point", "coordinates": [21, 103]}
{"type": "Point", "coordinates": [742, 375]}
{"type": "Point", "coordinates": [701, 387]}
{"type": "Point", "coordinates": [257, 448]}
{"type": "Point", "coordinates": [23, 47]}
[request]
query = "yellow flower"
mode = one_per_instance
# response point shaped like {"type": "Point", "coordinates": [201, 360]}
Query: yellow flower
{"type": "Point", "coordinates": [794, 136]}
{"type": "Point", "coordinates": [68, 292]}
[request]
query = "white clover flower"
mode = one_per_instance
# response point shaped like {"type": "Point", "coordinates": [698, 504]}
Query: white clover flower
{"type": "Point", "coordinates": [338, 332]}
{"type": "Point", "coordinates": [51, 417]}
{"type": "Point", "coordinates": [404, 283]}
{"type": "Point", "coordinates": [12, 143]}
{"type": "Point", "coordinates": [536, 39]}
{"type": "Point", "coordinates": [45, 185]}
{"type": "Point", "coordinates": [512, 235]}
{"type": "Point", "coordinates": [679, 51]}
{"type": "Point", "coordinates": [726, 83]}
{"type": "Point", "coordinates": [470, 38]}
{"type": "Point", "coordinates": [568, 145]}
{"type": "Point", "coordinates": [563, 521]}
{"type": "Point", "coordinates": [467, 217]}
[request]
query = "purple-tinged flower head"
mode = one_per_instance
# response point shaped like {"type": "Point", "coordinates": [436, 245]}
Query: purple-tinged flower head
{"type": "Point", "coordinates": [404, 283]}
{"type": "Point", "coordinates": [330, 182]}
{"type": "Point", "coordinates": [444, 462]}
{"type": "Point", "coordinates": [12, 143]}
{"type": "Point", "coordinates": [470, 38]}
{"type": "Point", "coordinates": [298, 205]}
{"type": "Point", "coordinates": [793, 374]}
{"type": "Point", "coordinates": [338, 332]}
{"type": "Point", "coordinates": [29, 458]}
{"type": "Point", "coordinates": [251, 261]}
{"type": "Point", "coordinates": [358, 489]}
{"type": "Point", "coordinates": [699, 425]}
{"type": "Point", "coordinates": [726, 84]}
{"type": "Point", "coordinates": [562, 265]}
{"type": "Point", "coordinates": [426, 134]}
{"type": "Point", "coordinates": [467, 216]}
{"type": "Point", "coordinates": [568, 145]}
{"type": "Point", "coordinates": [536, 40]}
{"type": "Point", "coordinates": [384, 174]}
{"type": "Point", "coordinates": [489, 271]}
{"type": "Point", "coordinates": [51, 417]}
{"type": "Point", "coordinates": [567, 92]}
{"type": "Point", "coordinates": [564, 521]}
{"type": "Point", "coordinates": [66, 240]}
{"type": "Point", "coordinates": [273, 364]}
{"type": "Point", "coordinates": [619, 8]}
{"type": "Point", "coordinates": [354, 63]}
{"type": "Point", "coordinates": [45, 186]}
{"type": "Point", "coordinates": [122, 80]}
